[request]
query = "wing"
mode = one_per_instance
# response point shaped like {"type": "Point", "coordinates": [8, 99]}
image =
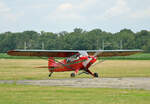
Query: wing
{"type": "Point", "coordinates": [47, 53]}
{"type": "Point", "coordinates": [109, 53]}
{"type": "Point", "coordinates": [68, 53]}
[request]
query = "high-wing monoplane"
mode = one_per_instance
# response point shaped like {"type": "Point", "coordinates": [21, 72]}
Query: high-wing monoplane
{"type": "Point", "coordinates": [75, 60]}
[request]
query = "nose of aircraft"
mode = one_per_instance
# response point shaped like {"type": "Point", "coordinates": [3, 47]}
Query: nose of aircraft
{"type": "Point", "coordinates": [93, 59]}
{"type": "Point", "coordinates": [90, 60]}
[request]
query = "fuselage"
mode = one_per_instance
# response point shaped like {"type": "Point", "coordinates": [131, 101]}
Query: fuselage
{"type": "Point", "coordinates": [71, 64]}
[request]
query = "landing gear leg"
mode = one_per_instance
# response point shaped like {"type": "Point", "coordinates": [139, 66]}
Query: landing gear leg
{"type": "Point", "coordinates": [94, 75]}
{"type": "Point", "coordinates": [50, 74]}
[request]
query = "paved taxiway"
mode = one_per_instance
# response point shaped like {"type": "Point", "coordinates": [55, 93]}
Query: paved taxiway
{"type": "Point", "coordinates": [128, 83]}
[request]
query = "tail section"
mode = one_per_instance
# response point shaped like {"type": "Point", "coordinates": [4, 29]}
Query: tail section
{"type": "Point", "coordinates": [51, 63]}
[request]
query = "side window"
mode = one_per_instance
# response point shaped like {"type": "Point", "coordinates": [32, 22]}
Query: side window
{"type": "Point", "coordinates": [72, 58]}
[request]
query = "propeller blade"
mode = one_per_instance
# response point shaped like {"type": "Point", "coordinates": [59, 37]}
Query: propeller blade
{"type": "Point", "coordinates": [85, 63]}
{"type": "Point", "coordinates": [97, 53]}
{"type": "Point", "coordinates": [89, 59]}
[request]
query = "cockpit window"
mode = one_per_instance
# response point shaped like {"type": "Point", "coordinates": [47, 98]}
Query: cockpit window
{"type": "Point", "coordinates": [72, 58]}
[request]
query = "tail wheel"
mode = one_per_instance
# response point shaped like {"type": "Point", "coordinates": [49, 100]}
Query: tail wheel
{"type": "Point", "coordinates": [96, 75]}
{"type": "Point", "coordinates": [72, 75]}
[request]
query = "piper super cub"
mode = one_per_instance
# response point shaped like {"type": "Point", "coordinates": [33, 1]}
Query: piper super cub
{"type": "Point", "coordinates": [75, 60]}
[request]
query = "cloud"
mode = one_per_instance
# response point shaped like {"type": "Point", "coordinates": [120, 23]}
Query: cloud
{"type": "Point", "coordinates": [6, 14]}
{"type": "Point", "coordinates": [118, 9]}
{"type": "Point", "coordinates": [65, 7]}
{"type": "Point", "coordinates": [63, 13]}
{"type": "Point", "coordinates": [73, 11]}
{"type": "Point", "coordinates": [141, 14]}
{"type": "Point", "coordinates": [58, 14]}
{"type": "Point", "coordinates": [38, 6]}
{"type": "Point", "coordinates": [3, 8]}
{"type": "Point", "coordinates": [87, 4]}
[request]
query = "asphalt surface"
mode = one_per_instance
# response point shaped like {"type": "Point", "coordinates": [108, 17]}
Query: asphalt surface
{"type": "Point", "coordinates": [127, 83]}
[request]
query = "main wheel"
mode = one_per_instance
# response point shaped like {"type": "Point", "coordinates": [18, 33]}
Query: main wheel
{"type": "Point", "coordinates": [96, 75]}
{"type": "Point", "coordinates": [72, 75]}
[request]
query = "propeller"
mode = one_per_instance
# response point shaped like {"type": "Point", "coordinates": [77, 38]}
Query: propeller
{"type": "Point", "coordinates": [85, 63]}
{"type": "Point", "coordinates": [97, 53]}
{"type": "Point", "coordinates": [89, 59]}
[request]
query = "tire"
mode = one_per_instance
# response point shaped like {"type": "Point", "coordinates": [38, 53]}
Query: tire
{"type": "Point", "coordinates": [72, 75]}
{"type": "Point", "coordinates": [96, 75]}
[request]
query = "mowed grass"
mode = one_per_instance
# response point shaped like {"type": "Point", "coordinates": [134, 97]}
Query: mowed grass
{"type": "Point", "coordinates": [27, 94]}
{"type": "Point", "coordinates": [20, 69]}
{"type": "Point", "coordinates": [123, 68]}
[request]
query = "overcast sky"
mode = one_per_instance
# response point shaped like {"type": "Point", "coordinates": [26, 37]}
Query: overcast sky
{"type": "Point", "coordinates": [65, 15]}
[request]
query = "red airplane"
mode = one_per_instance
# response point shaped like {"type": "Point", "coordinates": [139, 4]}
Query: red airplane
{"type": "Point", "coordinates": [75, 60]}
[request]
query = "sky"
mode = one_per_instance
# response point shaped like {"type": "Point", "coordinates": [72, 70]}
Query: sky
{"type": "Point", "coordinates": [65, 15]}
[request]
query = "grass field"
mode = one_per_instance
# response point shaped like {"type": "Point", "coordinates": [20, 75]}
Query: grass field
{"type": "Point", "coordinates": [27, 94]}
{"type": "Point", "coordinates": [25, 69]}
{"type": "Point", "coordinates": [20, 69]}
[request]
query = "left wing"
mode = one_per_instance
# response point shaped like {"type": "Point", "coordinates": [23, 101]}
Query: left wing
{"type": "Point", "coordinates": [47, 53]}
{"type": "Point", "coordinates": [68, 53]}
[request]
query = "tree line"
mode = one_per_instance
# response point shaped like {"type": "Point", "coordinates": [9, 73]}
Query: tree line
{"type": "Point", "coordinates": [79, 39]}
